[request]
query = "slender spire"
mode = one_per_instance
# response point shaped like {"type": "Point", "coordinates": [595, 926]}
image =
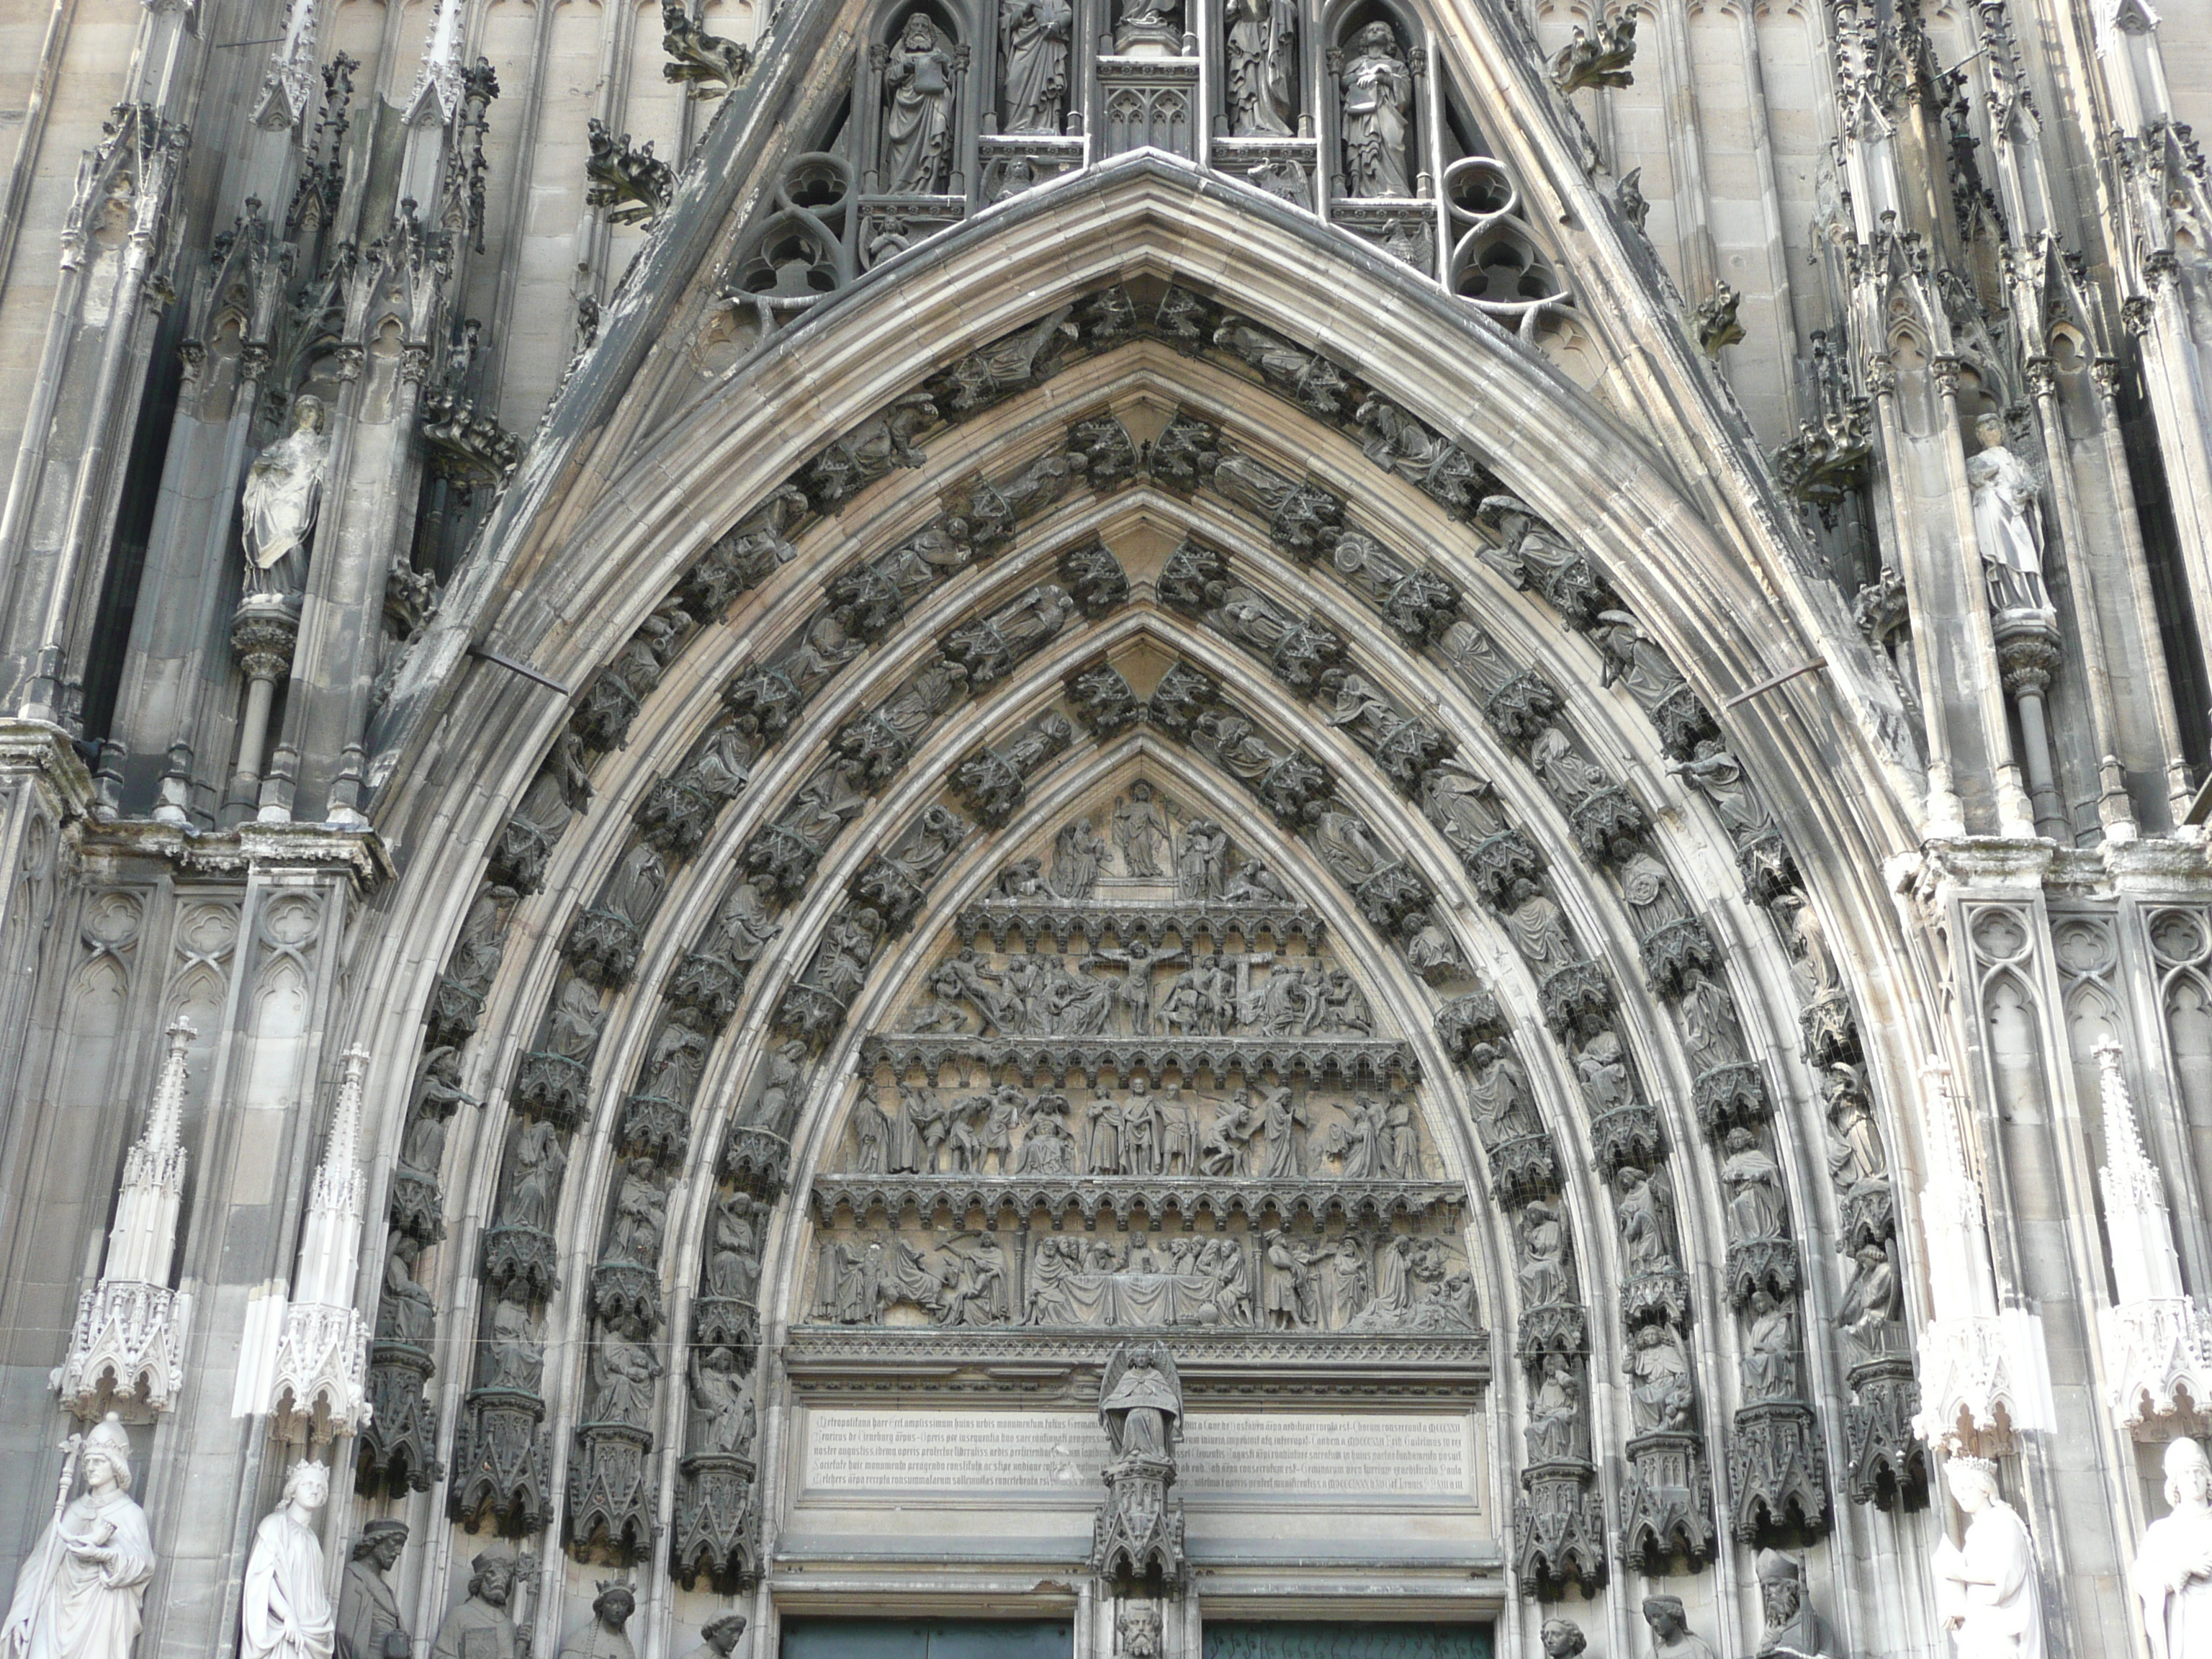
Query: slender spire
{"type": "Point", "coordinates": [2145, 1266]}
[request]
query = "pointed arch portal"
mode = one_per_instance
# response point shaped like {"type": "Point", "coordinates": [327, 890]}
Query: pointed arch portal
{"type": "Point", "coordinates": [1487, 1132]}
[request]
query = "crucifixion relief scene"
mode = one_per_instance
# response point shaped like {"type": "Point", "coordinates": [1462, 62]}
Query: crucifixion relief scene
{"type": "Point", "coordinates": [1106, 829]}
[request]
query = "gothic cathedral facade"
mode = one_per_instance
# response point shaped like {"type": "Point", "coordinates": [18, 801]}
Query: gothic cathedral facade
{"type": "Point", "coordinates": [1106, 829]}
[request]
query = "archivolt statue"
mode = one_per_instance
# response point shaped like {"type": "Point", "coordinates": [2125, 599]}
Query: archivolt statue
{"type": "Point", "coordinates": [283, 489]}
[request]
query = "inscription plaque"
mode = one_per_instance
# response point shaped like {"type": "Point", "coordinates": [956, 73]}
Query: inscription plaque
{"type": "Point", "coordinates": [1376, 1457]}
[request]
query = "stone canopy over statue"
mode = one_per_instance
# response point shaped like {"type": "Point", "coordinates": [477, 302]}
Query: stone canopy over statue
{"type": "Point", "coordinates": [283, 489]}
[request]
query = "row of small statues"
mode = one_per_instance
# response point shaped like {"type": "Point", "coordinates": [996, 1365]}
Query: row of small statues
{"type": "Point", "coordinates": [1348, 1284]}
{"type": "Point", "coordinates": [921, 74]}
{"type": "Point", "coordinates": [1271, 1134]}
{"type": "Point", "coordinates": [1216, 994]}
{"type": "Point", "coordinates": [81, 1593]}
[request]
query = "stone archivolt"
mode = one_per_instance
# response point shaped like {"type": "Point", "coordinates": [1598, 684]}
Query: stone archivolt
{"type": "Point", "coordinates": [1668, 1510]}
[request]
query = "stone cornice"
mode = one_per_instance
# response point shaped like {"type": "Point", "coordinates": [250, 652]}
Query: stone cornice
{"type": "Point", "coordinates": [32, 748]}
{"type": "Point", "coordinates": [250, 849]}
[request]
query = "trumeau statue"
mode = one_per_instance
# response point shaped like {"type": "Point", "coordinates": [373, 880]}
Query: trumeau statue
{"type": "Point", "coordinates": [1987, 1592]}
{"type": "Point", "coordinates": [1379, 92]}
{"type": "Point", "coordinates": [917, 110]}
{"type": "Point", "coordinates": [479, 1628]}
{"type": "Point", "coordinates": [2172, 1572]}
{"type": "Point", "coordinates": [1033, 55]}
{"type": "Point", "coordinates": [1263, 65]}
{"type": "Point", "coordinates": [283, 489]}
{"type": "Point", "coordinates": [1140, 1401]}
{"type": "Point", "coordinates": [284, 1611]}
{"type": "Point", "coordinates": [80, 1592]}
{"type": "Point", "coordinates": [369, 1625]}
{"type": "Point", "coordinates": [2007, 525]}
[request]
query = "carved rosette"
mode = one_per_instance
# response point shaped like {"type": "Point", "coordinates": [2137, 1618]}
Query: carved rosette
{"type": "Point", "coordinates": [1667, 1503]}
{"type": "Point", "coordinates": [1777, 1476]}
{"type": "Point", "coordinates": [1887, 1461]}
{"type": "Point", "coordinates": [261, 635]}
{"type": "Point", "coordinates": [716, 1524]}
{"type": "Point", "coordinates": [398, 1445]}
{"type": "Point", "coordinates": [502, 1463]}
{"type": "Point", "coordinates": [1559, 1530]}
{"type": "Point", "coordinates": [610, 1505]}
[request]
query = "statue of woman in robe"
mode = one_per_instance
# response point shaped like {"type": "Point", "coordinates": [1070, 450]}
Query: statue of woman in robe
{"type": "Point", "coordinates": [1753, 1181]}
{"type": "Point", "coordinates": [283, 489]}
{"type": "Point", "coordinates": [1033, 55]}
{"type": "Point", "coordinates": [1378, 90]}
{"type": "Point", "coordinates": [918, 111]}
{"type": "Point", "coordinates": [2008, 526]}
{"type": "Point", "coordinates": [2172, 1571]}
{"type": "Point", "coordinates": [285, 1611]}
{"type": "Point", "coordinates": [1987, 1592]}
{"type": "Point", "coordinates": [1262, 42]}
{"type": "Point", "coordinates": [80, 1591]}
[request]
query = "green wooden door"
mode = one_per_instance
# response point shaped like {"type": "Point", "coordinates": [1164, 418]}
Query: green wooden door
{"type": "Point", "coordinates": [927, 1638]}
{"type": "Point", "coordinates": [1287, 1639]}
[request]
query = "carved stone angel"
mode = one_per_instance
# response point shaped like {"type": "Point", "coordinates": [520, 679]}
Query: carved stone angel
{"type": "Point", "coordinates": [1140, 1400]}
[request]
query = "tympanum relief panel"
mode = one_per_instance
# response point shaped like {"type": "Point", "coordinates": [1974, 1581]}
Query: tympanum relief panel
{"type": "Point", "coordinates": [1136, 1088]}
